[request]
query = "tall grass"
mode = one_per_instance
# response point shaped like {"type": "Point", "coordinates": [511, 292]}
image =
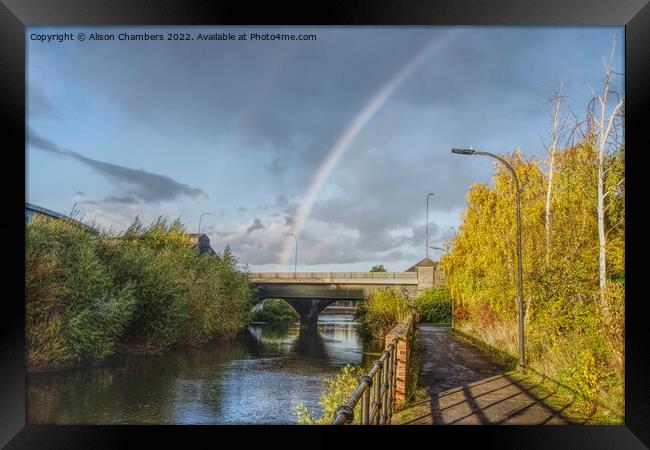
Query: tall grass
{"type": "Point", "coordinates": [75, 311]}
{"type": "Point", "coordinates": [145, 290]}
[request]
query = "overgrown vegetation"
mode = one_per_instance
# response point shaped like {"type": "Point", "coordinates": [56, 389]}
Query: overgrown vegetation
{"type": "Point", "coordinates": [89, 295]}
{"type": "Point", "coordinates": [434, 305]}
{"type": "Point", "coordinates": [339, 389]}
{"type": "Point", "coordinates": [573, 323]}
{"type": "Point", "coordinates": [275, 310]}
{"type": "Point", "coordinates": [381, 311]}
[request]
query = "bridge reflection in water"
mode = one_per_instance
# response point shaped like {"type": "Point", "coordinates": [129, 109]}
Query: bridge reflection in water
{"type": "Point", "coordinates": [255, 379]}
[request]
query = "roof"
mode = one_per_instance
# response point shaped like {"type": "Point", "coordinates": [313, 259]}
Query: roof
{"type": "Point", "coordinates": [45, 211]}
{"type": "Point", "coordinates": [424, 262]}
{"type": "Point", "coordinates": [48, 212]}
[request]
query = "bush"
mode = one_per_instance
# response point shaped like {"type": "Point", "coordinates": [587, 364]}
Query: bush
{"type": "Point", "coordinates": [89, 294]}
{"type": "Point", "coordinates": [156, 260]}
{"type": "Point", "coordinates": [75, 311]}
{"type": "Point", "coordinates": [275, 310]}
{"type": "Point", "coordinates": [338, 391]}
{"type": "Point", "coordinates": [434, 305]}
{"type": "Point", "coordinates": [381, 311]}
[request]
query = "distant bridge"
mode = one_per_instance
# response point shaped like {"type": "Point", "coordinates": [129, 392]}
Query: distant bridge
{"type": "Point", "coordinates": [311, 292]}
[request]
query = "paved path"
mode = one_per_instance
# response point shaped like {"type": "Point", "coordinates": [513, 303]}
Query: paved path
{"type": "Point", "coordinates": [466, 386]}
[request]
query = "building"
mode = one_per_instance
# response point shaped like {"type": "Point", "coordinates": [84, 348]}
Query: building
{"type": "Point", "coordinates": [429, 269]}
{"type": "Point", "coordinates": [32, 210]}
{"type": "Point", "coordinates": [202, 242]}
{"type": "Point", "coordinates": [425, 262]}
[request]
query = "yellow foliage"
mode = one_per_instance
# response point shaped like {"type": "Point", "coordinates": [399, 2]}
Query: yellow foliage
{"type": "Point", "coordinates": [564, 318]}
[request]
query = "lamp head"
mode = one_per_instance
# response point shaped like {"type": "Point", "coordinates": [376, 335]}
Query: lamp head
{"type": "Point", "coordinates": [463, 151]}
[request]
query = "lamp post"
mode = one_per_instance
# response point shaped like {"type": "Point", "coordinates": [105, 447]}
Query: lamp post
{"type": "Point", "coordinates": [295, 260]}
{"type": "Point", "coordinates": [204, 214]}
{"type": "Point", "coordinates": [440, 248]}
{"type": "Point", "coordinates": [520, 282]}
{"type": "Point", "coordinates": [427, 253]}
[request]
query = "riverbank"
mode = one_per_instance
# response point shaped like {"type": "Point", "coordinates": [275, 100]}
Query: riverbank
{"type": "Point", "coordinates": [91, 294]}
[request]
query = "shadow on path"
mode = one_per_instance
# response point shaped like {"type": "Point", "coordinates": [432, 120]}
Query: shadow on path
{"type": "Point", "coordinates": [466, 386]}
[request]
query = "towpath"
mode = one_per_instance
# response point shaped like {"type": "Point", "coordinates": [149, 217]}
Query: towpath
{"type": "Point", "coordinates": [465, 385]}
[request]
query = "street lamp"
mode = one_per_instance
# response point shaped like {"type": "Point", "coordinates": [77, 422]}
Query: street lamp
{"type": "Point", "coordinates": [520, 282]}
{"type": "Point", "coordinates": [204, 214]}
{"type": "Point", "coordinates": [295, 260]}
{"type": "Point", "coordinates": [427, 253]}
{"type": "Point", "coordinates": [440, 248]}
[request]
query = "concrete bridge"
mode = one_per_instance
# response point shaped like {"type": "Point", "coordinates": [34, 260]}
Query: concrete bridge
{"type": "Point", "coordinates": [311, 292]}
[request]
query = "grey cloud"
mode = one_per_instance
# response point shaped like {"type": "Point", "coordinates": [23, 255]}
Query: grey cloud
{"type": "Point", "coordinates": [257, 225]}
{"type": "Point", "coordinates": [143, 185]}
{"type": "Point", "coordinates": [281, 98]}
{"type": "Point", "coordinates": [45, 144]}
{"type": "Point", "coordinates": [283, 204]}
{"type": "Point", "coordinates": [125, 199]}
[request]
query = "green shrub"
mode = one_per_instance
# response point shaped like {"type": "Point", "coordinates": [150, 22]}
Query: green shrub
{"type": "Point", "coordinates": [156, 261]}
{"type": "Point", "coordinates": [338, 391]}
{"type": "Point", "coordinates": [74, 309]}
{"type": "Point", "coordinates": [434, 305]}
{"type": "Point", "coordinates": [89, 294]}
{"type": "Point", "coordinates": [233, 294]}
{"type": "Point", "coordinates": [381, 311]}
{"type": "Point", "coordinates": [275, 310]}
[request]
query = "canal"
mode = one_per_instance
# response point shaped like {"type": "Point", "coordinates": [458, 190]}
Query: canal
{"type": "Point", "coordinates": [256, 378]}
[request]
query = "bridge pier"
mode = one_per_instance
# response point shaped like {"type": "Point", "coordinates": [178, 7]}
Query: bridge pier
{"type": "Point", "coordinates": [309, 309]}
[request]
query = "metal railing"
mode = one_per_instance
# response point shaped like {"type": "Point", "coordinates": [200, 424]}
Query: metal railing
{"type": "Point", "coordinates": [376, 391]}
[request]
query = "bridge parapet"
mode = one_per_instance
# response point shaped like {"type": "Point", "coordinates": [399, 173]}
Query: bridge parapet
{"type": "Point", "coordinates": [334, 277]}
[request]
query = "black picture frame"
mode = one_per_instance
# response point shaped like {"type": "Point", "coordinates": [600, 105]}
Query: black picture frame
{"type": "Point", "coordinates": [15, 15]}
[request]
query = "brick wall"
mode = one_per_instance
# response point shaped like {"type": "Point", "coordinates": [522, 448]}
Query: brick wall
{"type": "Point", "coordinates": [404, 334]}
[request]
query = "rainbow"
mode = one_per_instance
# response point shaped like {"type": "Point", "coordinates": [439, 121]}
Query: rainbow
{"type": "Point", "coordinates": [359, 121]}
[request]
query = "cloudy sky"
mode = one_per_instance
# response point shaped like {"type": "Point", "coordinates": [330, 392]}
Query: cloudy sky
{"type": "Point", "coordinates": [337, 140]}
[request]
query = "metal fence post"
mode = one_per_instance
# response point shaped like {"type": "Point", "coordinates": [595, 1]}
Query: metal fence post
{"type": "Point", "coordinates": [391, 381]}
{"type": "Point", "coordinates": [377, 392]}
{"type": "Point", "coordinates": [384, 387]}
{"type": "Point", "coordinates": [365, 400]}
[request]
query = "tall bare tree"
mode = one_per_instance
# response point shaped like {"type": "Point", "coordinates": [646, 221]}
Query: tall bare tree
{"type": "Point", "coordinates": [605, 125]}
{"type": "Point", "coordinates": [558, 126]}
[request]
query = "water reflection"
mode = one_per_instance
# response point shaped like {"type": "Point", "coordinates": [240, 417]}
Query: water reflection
{"type": "Point", "coordinates": [256, 378]}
